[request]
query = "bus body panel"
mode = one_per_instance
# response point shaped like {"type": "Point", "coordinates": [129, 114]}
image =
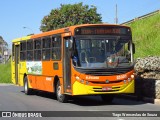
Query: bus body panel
{"type": "Point", "coordinates": [32, 81]}
{"type": "Point", "coordinates": [13, 72]}
{"type": "Point", "coordinates": [49, 70]}
{"type": "Point", "coordinates": [81, 86]}
{"type": "Point", "coordinates": [22, 71]}
{"type": "Point", "coordinates": [82, 89]}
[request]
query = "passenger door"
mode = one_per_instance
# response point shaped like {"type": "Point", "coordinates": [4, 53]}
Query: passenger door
{"type": "Point", "coordinates": [17, 47]}
{"type": "Point", "coordinates": [66, 65]}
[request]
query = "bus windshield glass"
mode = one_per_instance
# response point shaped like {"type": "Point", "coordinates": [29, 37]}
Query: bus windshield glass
{"type": "Point", "coordinates": [101, 52]}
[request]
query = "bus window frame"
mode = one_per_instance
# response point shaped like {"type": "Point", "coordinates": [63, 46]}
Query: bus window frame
{"type": "Point", "coordinates": [37, 51]}
{"type": "Point", "coordinates": [22, 50]}
{"type": "Point", "coordinates": [46, 48]}
{"type": "Point", "coordinates": [13, 52]}
{"type": "Point", "coordinates": [30, 50]}
{"type": "Point", "coordinates": [59, 47]}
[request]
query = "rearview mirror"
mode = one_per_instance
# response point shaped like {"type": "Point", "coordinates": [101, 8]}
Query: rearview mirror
{"type": "Point", "coordinates": [70, 44]}
{"type": "Point", "coordinates": [133, 48]}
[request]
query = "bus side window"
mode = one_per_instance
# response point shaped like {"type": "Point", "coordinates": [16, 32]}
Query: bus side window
{"type": "Point", "coordinates": [46, 48]}
{"type": "Point", "coordinates": [37, 49]}
{"type": "Point", "coordinates": [23, 50]}
{"type": "Point", "coordinates": [29, 55]}
{"type": "Point", "coordinates": [30, 50]}
{"type": "Point", "coordinates": [56, 48]}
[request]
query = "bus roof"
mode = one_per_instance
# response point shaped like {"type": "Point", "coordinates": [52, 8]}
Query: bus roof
{"type": "Point", "coordinates": [71, 28]}
{"type": "Point", "coordinates": [61, 30]}
{"type": "Point", "coordinates": [21, 39]}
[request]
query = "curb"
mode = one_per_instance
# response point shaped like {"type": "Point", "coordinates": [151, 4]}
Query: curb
{"type": "Point", "coordinates": [144, 99]}
{"type": "Point", "coordinates": [6, 84]}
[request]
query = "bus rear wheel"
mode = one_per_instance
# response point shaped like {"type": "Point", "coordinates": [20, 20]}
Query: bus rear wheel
{"type": "Point", "coordinates": [107, 98]}
{"type": "Point", "coordinates": [27, 90]}
{"type": "Point", "coordinates": [60, 97]}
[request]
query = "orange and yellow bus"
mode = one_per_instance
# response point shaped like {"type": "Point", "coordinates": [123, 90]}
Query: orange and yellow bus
{"type": "Point", "coordinates": [89, 59]}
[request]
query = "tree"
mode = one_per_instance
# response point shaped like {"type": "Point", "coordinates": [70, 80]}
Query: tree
{"type": "Point", "coordinates": [3, 44]}
{"type": "Point", "coordinates": [1, 40]}
{"type": "Point", "coordinates": [68, 15]}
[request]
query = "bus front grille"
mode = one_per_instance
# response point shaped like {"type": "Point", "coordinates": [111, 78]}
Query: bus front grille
{"type": "Point", "coordinates": [113, 89]}
{"type": "Point", "coordinates": [103, 82]}
{"type": "Point", "coordinates": [104, 71]}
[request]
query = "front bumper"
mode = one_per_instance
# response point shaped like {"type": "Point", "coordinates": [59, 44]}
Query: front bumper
{"type": "Point", "coordinates": [82, 89]}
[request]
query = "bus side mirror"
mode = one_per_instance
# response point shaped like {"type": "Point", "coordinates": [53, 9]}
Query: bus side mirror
{"type": "Point", "coordinates": [71, 48]}
{"type": "Point", "coordinates": [70, 45]}
{"type": "Point", "coordinates": [133, 48]}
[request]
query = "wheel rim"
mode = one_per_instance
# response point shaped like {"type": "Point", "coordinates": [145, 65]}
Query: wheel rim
{"type": "Point", "coordinates": [59, 92]}
{"type": "Point", "coordinates": [25, 87]}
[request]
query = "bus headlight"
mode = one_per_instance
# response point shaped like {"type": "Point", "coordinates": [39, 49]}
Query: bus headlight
{"type": "Point", "coordinates": [132, 76]}
{"type": "Point", "coordinates": [81, 80]}
{"type": "Point", "coordinates": [77, 78]}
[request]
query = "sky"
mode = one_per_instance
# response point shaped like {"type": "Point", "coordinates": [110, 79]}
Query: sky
{"type": "Point", "coordinates": [17, 14]}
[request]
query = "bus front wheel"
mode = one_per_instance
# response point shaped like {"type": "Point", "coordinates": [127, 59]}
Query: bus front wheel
{"type": "Point", "coordinates": [107, 98]}
{"type": "Point", "coordinates": [60, 97]}
{"type": "Point", "coordinates": [27, 90]}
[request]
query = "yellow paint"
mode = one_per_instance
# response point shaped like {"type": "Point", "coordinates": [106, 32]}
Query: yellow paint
{"type": "Point", "coordinates": [22, 71]}
{"type": "Point", "coordinates": [13, 71]}
{"type": "Point", "coordinates": [21, 39]}
{"type": "Point", "coordinates": [21, 66]}
{"type": "Point", "coordinates": [29, 84]}
{"type": "Point", "coordinates": [17, 43]}
{"type": "Point", "coordinates": [82, 89]}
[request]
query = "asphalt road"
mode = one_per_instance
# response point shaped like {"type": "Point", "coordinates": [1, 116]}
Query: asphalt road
{"type": "Point", "coordinates": [12, 98]}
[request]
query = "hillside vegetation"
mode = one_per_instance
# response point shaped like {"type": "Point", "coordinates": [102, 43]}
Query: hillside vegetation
{"type": "Point", "coordinates": [146, 36]}
{"type": "Point", "coordinates": [5, 73]}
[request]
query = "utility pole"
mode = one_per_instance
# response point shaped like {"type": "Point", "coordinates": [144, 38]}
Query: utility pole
{"type": "Point", "coordinates": [116, 16]}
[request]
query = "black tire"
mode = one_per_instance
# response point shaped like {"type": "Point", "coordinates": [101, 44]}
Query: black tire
{"type": "Point", "coordinates": [60, 97]}
{"type": "Point", "coordinates": [107, 98]}
{"type": "Point", "coordinates": [27, 90]}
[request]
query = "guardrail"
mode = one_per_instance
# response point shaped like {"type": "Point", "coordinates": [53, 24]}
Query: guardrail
{"type": "Point", "coordinates": [142, 17]}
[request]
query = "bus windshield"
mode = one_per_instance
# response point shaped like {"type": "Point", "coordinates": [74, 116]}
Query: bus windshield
{"type": "Point", "coordinates": [101, 52]}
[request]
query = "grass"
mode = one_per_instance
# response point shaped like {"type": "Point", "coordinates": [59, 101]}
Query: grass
{"type": "Point", "coordinates": [146, 36]}
{"type": "Point", "coordinates": [5, 73]}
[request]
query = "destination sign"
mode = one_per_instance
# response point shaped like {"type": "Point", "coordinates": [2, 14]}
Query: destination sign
{"type": "Point", "coordinates": [102, 31]}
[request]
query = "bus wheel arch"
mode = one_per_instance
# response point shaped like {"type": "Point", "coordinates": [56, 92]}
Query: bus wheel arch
{"type": "Point", "coordinates": [56, 79]}
{"type": "Point", "coordinates": [25, 75]}
{"type": "Point", "coordinates": [27, 90]}
{"type": "Point", "coordinates": [60, 97]}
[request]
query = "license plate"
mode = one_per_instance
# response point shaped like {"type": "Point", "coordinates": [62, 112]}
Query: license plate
{"type": "Point", "coordinates": [106, 88]}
